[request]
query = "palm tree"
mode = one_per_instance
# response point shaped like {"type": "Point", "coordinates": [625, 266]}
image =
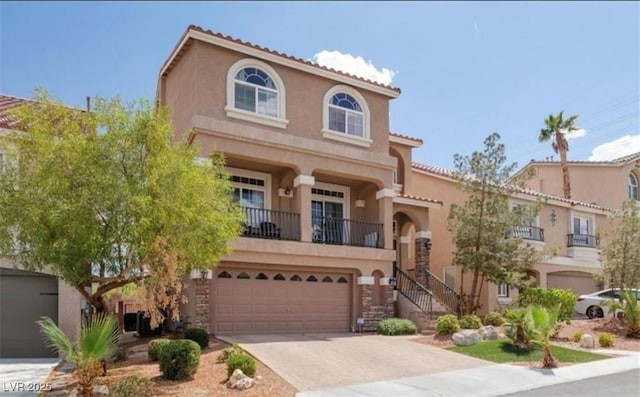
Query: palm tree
{"type": "Point", "coordinates": [557, 128]}
{"type": "Point", "coordinates": [97, 341]}
{"type": "Point", "coordinates": [631, 310]}
{"type": "Point", "coordinates": [542, 322]}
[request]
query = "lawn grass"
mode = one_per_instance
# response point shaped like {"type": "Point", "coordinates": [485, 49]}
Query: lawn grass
{"type": "Point", "coordinates": [500, 351]}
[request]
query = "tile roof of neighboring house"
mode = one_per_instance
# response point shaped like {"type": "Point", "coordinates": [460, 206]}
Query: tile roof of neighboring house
{"type": "Point", "coordinates": [429, 200]}
{"type": "Point", "coordinates": [170, 62]}
{"type": "Point", "coordinates": [517, 189]}
{"type": "Point", "coordinates": [619, 160]}
{"type": "Point", "coordinates": [8, 102]}
{"type": "Point", "coordinates": [406, 137]}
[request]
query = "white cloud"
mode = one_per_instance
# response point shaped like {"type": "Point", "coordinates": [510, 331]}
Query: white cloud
{"type": "Point", "coordinates": [620, 147]}
{"type": "Point", "coordinates": [354, 65]}
{"type": "Point", "coordinates": [580, 132]}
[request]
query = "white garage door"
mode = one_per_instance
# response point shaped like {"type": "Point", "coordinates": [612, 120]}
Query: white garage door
{"type": "Point", "coordinates": [578, 282]}
{"type": "Point", "coordinates": [260, 301]}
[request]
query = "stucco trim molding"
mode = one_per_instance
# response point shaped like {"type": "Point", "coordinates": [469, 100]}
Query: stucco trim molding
{"type": "Point", "coordinates": [423, 234]}
{"type": "Point", "coordinates": [404, 141]}
{"type": "Point", "coordinates": [384, 280]}
{"type": "Point", "coordinates": [386, 192]}
{"type": "Point", "coordinates": [304, 180]}
{"type": "Point", "coordinates": [339, 136]}
{"type": "Point", "coordinates": [255, 117]}
{"type": "Point", "coordinates": [366, 280]}
{"type": "Point", "coordinates": [416, 203]}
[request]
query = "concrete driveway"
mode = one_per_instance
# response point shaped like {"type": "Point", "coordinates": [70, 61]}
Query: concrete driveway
{"type": "Point", "coordinates": [20, 377]}
{"type": "Point", "coordinates": [317, 361]}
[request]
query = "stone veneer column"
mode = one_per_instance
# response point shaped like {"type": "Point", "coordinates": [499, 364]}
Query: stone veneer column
{"type": "Point", "coordinates": [423, 252]}
{"type": "Point", "coordinates": [303, 204]}
{"type": "Point", "coordinates": [202, 288]}
{"type": "Point", "coordinates": [387, 298]}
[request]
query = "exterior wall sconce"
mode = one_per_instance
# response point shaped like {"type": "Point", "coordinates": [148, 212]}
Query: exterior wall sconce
{"type": "Point", "coordinates": [552, 217]}
{"type": "Point", "coordinates": [393, 282]}
{"type": "Point", "coordinates": [287, 191]}
{"type": "Point", "coordinates": [427, 244]}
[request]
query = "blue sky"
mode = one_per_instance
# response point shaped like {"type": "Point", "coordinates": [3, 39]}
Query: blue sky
{"type": "Point", "coordinates": [465, 69]}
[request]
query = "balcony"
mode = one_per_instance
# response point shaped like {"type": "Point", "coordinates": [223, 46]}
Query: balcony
{"type": "Point", "coordinates": [581, 240]}
{"type": "Point", "coordinates": [340, 231]}
{"type": "Point", "coordinates": [271, 224]}
{"type": "Point", "coordinates": [528, 233]}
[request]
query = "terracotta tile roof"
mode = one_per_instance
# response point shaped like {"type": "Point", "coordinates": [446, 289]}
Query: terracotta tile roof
{"type": "Point", "coordinates": [511, 188]}
{"type": "Point", "coordinates": [619, 160]}
{"type": "Point", "coordinates": [196, 28]}
{"type": "Point", "coordinates": [429, 200]}
{"type": "Point", "coordinates": [8, 102]}
{"type": "Point", "coordinates": [405, 137]}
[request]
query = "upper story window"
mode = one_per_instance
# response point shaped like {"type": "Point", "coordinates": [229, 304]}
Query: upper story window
{"type": "Point", "coordinates": [633, 187]}
{"type": "Point", "coordinates": [346, 116]}
{"type": "Point", "coordinates": [255, 93]}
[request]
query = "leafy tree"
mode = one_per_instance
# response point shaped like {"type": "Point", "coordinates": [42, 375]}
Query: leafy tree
{"type": "Point", "coordinates": [621, 252]}
{"type": "Point", "coordinates": [105, 199]}
{"type": "Point", "coordinates": [556, 128]}
{"type": "Point", "coordinates": [98, 340]}
{"type": "Point", "coordinates": [482, 228]}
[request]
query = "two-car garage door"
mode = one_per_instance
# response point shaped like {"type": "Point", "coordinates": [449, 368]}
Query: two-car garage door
{"type": "Point", "coordinates": [259, 301]}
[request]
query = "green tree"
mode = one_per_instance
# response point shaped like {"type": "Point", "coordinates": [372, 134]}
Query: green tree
{"type": "Point", "coordinates": [105, 199]}
{"type": "Point", "coordinates": [542, 322]}
{"type": "Point", "coordinates": [482, 228]}
{"type": "Point", "coordinates": [556, 128]}
{"type": "Point", "coordinates": [98, 340]}
{"type": "Point", "coordinates": [621, 252]}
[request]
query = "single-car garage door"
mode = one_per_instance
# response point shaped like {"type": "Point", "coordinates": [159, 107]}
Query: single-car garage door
{"type": "Point", "coordinates": [24, 298]}
{"type": "Point", "coordinates": [259, 301]}
{"type": "Point", "coordinates": [578, 282]}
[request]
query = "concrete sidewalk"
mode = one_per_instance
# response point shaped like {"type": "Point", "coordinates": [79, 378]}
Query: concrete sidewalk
{"type": "Point", "coordinates": [494, 380]}
{"type": "Point", "coordinates": [23, 377]}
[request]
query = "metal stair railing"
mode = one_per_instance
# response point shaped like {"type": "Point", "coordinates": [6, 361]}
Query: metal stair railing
{"type": "Point", "coordinates": [414, 291]}
{"type": "Point", "coordinates": [442, 292]}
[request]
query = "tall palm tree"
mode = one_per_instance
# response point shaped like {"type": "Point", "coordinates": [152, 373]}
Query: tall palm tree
{"type": "Point", "coordinates": [556, 128]}
{"type": "Point", "coordinates": [97, 341]}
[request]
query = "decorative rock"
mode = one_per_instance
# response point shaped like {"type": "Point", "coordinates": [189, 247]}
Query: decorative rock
{"type": "Point", "coordinates": [243, 384]}
{"type": "Point", "coordinates": [239, 380]}
{"type": "Point", "coordinates": [488, 332]}
{"type": "Point", "coordinates": [502, 336]}
{"type": "Point", "coordinates": [466, 337]}
{"type": "Point", "coordinates": [100, 390]}
{"type": "Point", "coordinates": [587, 341]}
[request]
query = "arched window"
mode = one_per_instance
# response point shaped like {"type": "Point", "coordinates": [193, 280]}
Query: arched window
{"type": "Point", "coordinates": [255, 93]}
{"type": "Point", "coordinates": [224, 275]}
{"type": "Point", "coordinates": [346, 116]}
{"type": "Point", "coordinates": [633, 187]}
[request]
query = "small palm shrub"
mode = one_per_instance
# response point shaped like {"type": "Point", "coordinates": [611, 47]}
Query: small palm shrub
{"type": "Point", "coordinates": [517, 327]}
{"type": "Point", "coordinates": [396, 326]}
{"type": "Point", "coordinates": [494, 318]}
{"type": "Point", "coordinates": [631, 312]}
{"type": "Point", "coordinates": [134, 386]}
{"type": "Point", "coordinates": [179, 359]}
{"type": "Point", "coordinates": [154, 347]}
{"type": "Point", "coordinates": [243, 362]}
{"type": "Point", "coordinates": [447, 324]}
{"type": "Point", "coordinates": [605, 339]}
{"type": "Point", "coordinates": [225, 354]}
{"type": "Point", "coordinates": [470, 321]}
{"type": "Point", "coordinates": [577, 336]}
{"type": "Point", "coordinates": [198, 335]}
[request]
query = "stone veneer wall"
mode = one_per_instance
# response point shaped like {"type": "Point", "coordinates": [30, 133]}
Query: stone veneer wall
{"type": "Point", "coordinates": [202, 303]}
{"type": "Point", "coordinates": [373, 314]}
{"type": "Point", "coordinates": [422, 261]}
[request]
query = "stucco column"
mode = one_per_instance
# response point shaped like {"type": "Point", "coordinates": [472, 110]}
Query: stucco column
{"type": "Point", "coordinates": [385, 214]}
{"type": "Point", "coordinates": [303, 184]}
{"type": "Point", "coordinates": [542, 279]}
{"type": "Point", "coordinates": [403, 257]}
{"type": "Point", "coordinates": [423, 252]}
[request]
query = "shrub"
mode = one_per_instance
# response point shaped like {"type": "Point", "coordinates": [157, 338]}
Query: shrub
{"type": "Point", "coordinates": [243, 362]}
{"type": "Point", "coordinates": [121, 353]}
{"type": "Point", "coordinates": [470, 321]}
{"type": "Point", "coordinates": [605, 339]}
{"type": "Point", "coordinates": [134, 386]}
{"type": "Point", "coordinates": [518, 327]}
{"type": "Point", "coordinates": [396, 326]}
{"type": "Point", "coordinates": [577, 336]}
{"type": "Point", "coordinates": [549, 298]}
{"type": "Point", "coordinates": [179, 359]}
{"type": "Point", "coordinates": [447, 324]}
{"type": "Point", "coordinates": [494, 318]}
{"type": "Point", "coordinates": [198, 335]}
{"type": "Point", "coordinates": [225, 354]}
{"type": "Point", "coordinates": [154, 347]}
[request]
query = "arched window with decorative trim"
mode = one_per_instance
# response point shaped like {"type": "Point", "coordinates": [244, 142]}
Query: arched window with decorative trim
{"type": "Point", "coordinates": [346, 116]}
{"type": "Point", "coordinates": [633, 187]}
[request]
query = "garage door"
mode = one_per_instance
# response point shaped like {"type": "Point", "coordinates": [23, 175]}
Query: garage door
{"type": "Point", "coordinates": [24, 298]}
{"type": "Point", "coordinates": [578, 282]}
{"type": "Point", "coordinates": [258, 301]}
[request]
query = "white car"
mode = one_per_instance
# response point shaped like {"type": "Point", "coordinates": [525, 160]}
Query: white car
{"type": "Point", "coordinates": [594, 305]}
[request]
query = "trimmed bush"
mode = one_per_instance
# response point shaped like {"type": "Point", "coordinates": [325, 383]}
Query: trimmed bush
{"type": "Point", "coordinates": [396, 326]}
{"type": "Point", "coordinates": [198, 335]}
{"type": "Point", "coordinates": [133, 386]}
{"type": "Point", "coordinates": [179, 359]}
{"type": "Point", "coordinates": [447, 324]}
{"type": "Point", "coordinates": [225, 354]}
{"type": "Point", "coordinates": [605, 339]}
{"type": "Point", "coordinates": [577, 336]}
{"type": "Point", "coordinates": [154, 347]}
{"type": "Point", "coordinates": [245, 363]}
{"type": "Point", "coordinates": [494, 318]}
{"type": "Point", "coordinates": [470, 321]}
{"type": "Point", "coordinates": [550, 298]}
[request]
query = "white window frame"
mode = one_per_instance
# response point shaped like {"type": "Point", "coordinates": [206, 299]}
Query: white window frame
{"type": "Point", "coordinates": [281, 120]}
{"type": "Point", "coordinates": [503, 290]}
{"type": "Point", "coordinates": [634, 178]}
{"type": "Point", "coordinates": [365, 140]}
{"type": "Point", "coordinates": [256, 175]}
{"type": "Point", "coordinates": [346, 200]}
{"type": "Point", "coordinates": [591, 223]}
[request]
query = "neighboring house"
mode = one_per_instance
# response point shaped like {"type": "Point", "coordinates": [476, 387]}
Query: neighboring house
{"type": "Point", "coordinates": [314, 166]}
{"type": "Point", "coordinates": [26, 296]}
{"type": "Point", "coordinates": [605, 183]}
